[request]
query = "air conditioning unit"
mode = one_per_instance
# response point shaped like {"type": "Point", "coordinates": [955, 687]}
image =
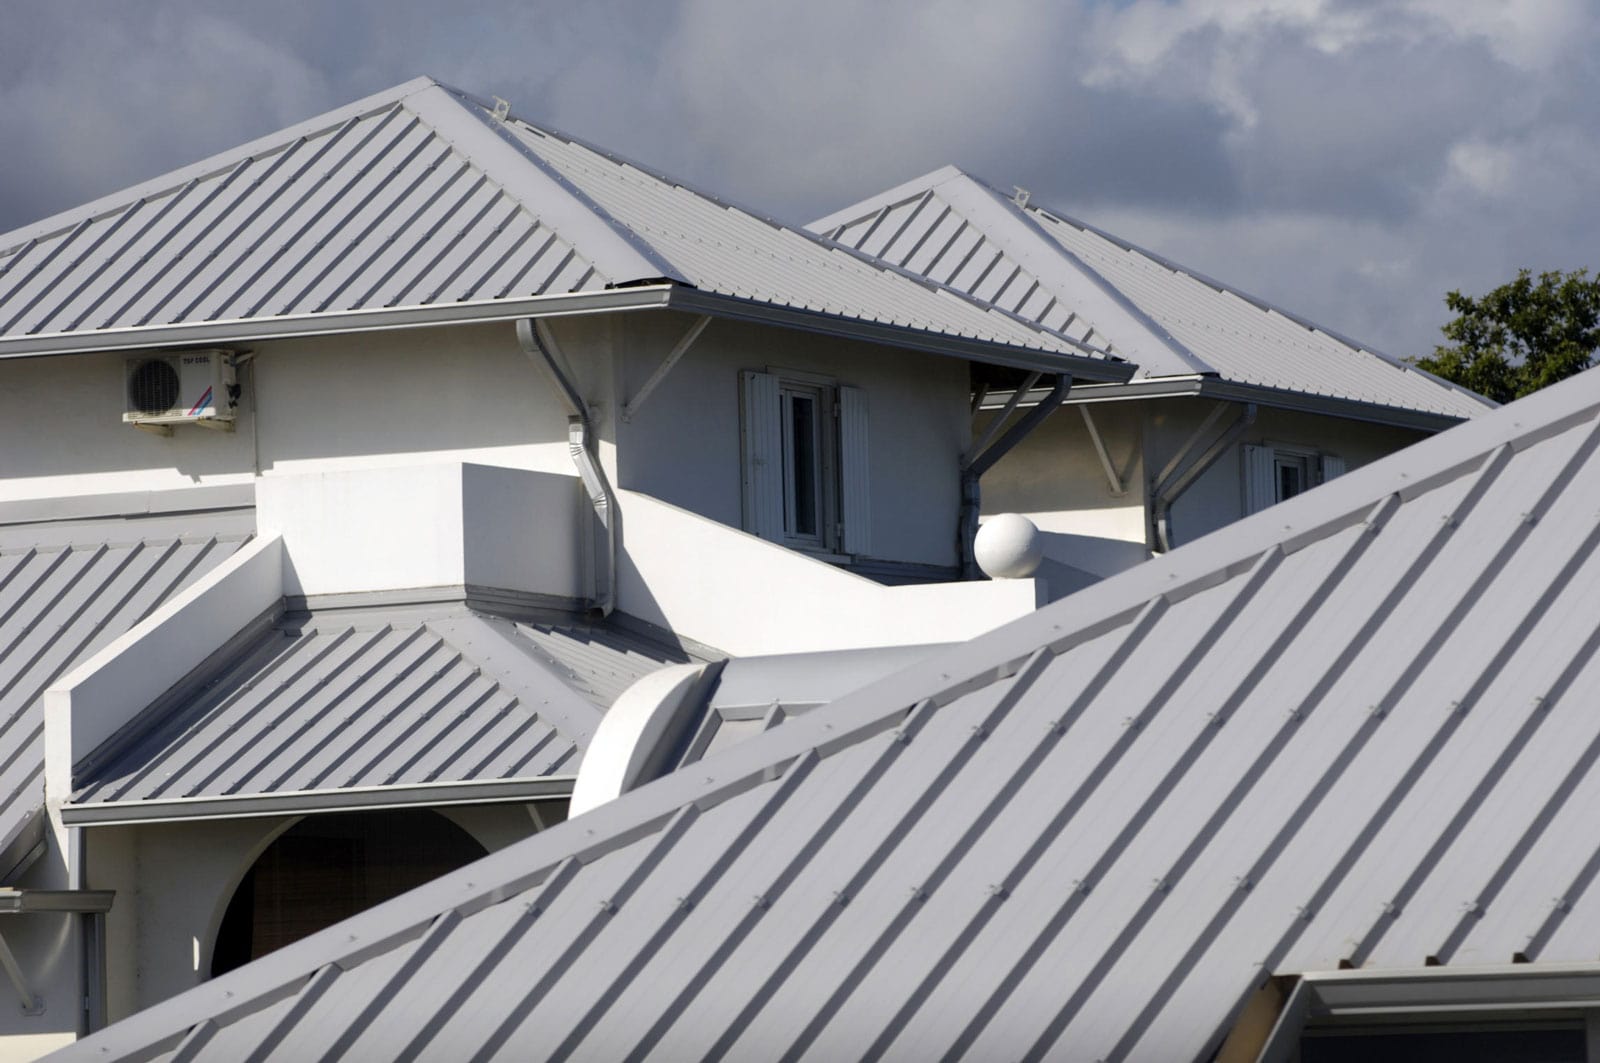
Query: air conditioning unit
{"type": "Point", "coordinates": [185, 387]}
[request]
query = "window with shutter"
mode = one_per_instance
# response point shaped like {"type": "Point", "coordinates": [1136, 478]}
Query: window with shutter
{"type": "Point", "coordinates": [1277, 472]}
{"type": "Point", "coordinates": [804, 443]}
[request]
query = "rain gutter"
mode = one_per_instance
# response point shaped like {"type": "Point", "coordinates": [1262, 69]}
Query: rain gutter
{"type": "Point", "coordinates": [1090, 364]}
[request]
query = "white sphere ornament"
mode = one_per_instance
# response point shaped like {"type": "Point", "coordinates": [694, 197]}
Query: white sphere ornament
{"type": "Point", "coordinates": [1008, 546]}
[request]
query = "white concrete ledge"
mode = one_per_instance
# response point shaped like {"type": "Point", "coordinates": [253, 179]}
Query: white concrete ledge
{"type": "Point", "coordinates": [92, 702]}
{"type": "Point", "coordinates": [746, 596]}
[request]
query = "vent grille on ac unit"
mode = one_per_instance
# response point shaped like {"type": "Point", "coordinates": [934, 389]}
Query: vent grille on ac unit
{"type": "Point", "coordinates": [153, 387]}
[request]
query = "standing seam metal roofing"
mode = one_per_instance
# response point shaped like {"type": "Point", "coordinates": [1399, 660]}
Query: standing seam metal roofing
{"type": "Point", "coordinates": [1353, 728]}
{"type": "Point", "coordinates": [380, 698]}
{"type": "Point", "coordinates": [66, 591]}
{"type": "Point", "coordinates": [1088, 284]}
{"type": "Point", "coordinates": [422, 196]}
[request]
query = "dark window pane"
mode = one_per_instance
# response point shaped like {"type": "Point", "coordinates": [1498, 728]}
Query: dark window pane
{"type": "Point", "coordinates": [803, 438]}
{"type": "Point", "coordinates": [1291, 481]}
{"type": "Point", "coordinates": [1454, 1046]}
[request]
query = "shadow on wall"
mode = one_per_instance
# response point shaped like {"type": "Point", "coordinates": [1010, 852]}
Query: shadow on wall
{"type": "Point", "coordinates": [1073, 562]}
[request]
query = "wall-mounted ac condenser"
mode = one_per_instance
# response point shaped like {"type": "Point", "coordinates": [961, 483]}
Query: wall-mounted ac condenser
{"type": "Point", "coordinates": [184, 387]}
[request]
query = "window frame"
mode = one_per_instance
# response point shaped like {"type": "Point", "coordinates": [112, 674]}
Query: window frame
{"type": "Point", "coordinates": [768, 436]}
{"type": "Point", "coordinates": [1315, 466]}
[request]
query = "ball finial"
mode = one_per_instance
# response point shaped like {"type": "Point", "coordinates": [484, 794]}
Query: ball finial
{"type": "Point", "coordinates": [1008, 546]}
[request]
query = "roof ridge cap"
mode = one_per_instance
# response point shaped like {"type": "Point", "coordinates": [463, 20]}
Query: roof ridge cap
{"type": "Point", "coordinates": [1161, 335]}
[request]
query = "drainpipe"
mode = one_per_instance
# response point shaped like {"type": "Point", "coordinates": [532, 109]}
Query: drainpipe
{"type": "Point", "coordinates": [540, 346]}
{"type": "Point", "coordinates": [975, 464]}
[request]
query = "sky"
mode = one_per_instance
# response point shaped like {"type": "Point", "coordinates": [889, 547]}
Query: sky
{"type": "Point", "coordinates": [1351, 160]}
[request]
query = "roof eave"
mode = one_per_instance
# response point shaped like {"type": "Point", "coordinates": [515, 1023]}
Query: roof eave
{"type": "Point", "coordinates": [661, 296]}
{"type": "Point", "coordinates": [1082, 367]}
{"type": "Point", "coordinates": [149, 337]}
{"type": "Point", "coordinates": [302, 802]}
{"type": "Point", "coordinates": [1275, 398]}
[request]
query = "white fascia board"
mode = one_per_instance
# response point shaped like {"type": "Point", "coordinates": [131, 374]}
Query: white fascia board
{"type": "Point", "coordinates": [90, 704]}
{"type": "Point", "coordinates": [1082, 367]}
{"type": "Point", "coordinates": [250, 330]}
{"type": "Point", "coordinates": [305, 802]}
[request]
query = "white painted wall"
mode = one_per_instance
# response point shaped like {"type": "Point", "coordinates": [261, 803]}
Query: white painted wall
{"type": "Point", "coordinates": [469, 394]}
{"type": "Point", "coordinates": [174, 882]}
{"type": "Point", "coordinates": [1054, 477]}
{"type": "Point", "coordinates": [1216, 498]}
{"type": "Point", "coordinates": [683, 445]}
{"type": "Point", "coordinates": [434, 525]}
{"type": "Point", "coordinates": [747, 596]}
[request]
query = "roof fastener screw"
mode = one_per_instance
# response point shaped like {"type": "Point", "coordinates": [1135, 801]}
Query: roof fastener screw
{"type": "Point", "coordinates": [999, 892]}
{"type": "Point", "coordinates": [760, 900]}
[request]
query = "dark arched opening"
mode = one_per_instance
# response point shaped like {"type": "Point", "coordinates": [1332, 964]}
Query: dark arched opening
{"type": "Point", "coordinates": [328, 868]}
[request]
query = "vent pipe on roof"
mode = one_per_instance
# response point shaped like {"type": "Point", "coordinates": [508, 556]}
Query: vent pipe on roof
{"type": "Point", "coordinates": [974, 464]}
{"type": "Point", "coordinates": [539, 345]}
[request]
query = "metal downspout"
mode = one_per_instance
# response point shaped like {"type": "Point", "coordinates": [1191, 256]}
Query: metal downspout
{"type": "Point", "coordinates": [974, 465]}
{"type": "Point", "coordinates": [1174, 481]}
{"type": "Point", "coordinates": [539, 345]}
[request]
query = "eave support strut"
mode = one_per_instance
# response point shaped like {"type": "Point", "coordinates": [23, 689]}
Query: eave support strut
{"type": "Point", "coordinates": [983, 456]}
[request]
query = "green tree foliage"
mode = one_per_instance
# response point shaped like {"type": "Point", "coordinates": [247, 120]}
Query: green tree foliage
{"type": "Point", "coordinates": [1522, 336]}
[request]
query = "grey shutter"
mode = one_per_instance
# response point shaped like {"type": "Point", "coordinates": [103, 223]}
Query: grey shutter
{"type": "Point", "coordinates": [762, 429]}
{"type": "Point", "coordinates": [855, 497]}
{"type": "Point", "coordinates": [1332, 465]}
{"type": "Point", "coordinates": [1260, 479]}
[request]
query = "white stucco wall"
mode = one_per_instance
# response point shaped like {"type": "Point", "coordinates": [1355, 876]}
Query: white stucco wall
{"type": "Point", "coordinates": [470, 394]}
{"type": "Point", "coordinates": [683, 446]}
{"type": "Point", "coordinates": [47, 947]}
{"type": "Point", "coordinates": [174, 882]}
{"type": "Point", "coordinates": [1216, 498]}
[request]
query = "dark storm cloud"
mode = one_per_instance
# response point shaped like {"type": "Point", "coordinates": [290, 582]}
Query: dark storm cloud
{"type": "Point", "coordinates": [1352, 159]}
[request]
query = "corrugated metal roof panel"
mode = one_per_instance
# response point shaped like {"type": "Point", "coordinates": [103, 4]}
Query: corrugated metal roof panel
{"type": "Point", "coordinates": [420, 196]}
{"type": "Point", "coordinates": [1165, 318]}
{"type": "Point", "coordinates": [1350, 729]}
{"type": "Point", "coordinates": [65, 593]}
{"type": "Point", "coordinates": [380, 698]}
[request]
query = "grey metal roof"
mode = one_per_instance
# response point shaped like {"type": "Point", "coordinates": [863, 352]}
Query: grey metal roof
{"type": "Point", "coordinates": [422, 197]}
{"type": "Point", "coordinates": [66, 591]}
{"type": "Point", "coordinates": [1089, 284]}
{"type": "Point", "coordinates": [365, 699]}
{"type": "Point", "coordinates": [1356, 727]}
{"type": "Point", "coordinates": [750, 695]}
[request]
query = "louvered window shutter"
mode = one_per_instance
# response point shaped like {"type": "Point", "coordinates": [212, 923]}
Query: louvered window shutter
{"type": "Point", "coordinates": [762, 428]}
{"type": "Point", "coordinates": [1332, 465]}
{"type": "Point", "coordinates": [855, 496]}
{"type": "Point", "coordinates": [1260, 479]}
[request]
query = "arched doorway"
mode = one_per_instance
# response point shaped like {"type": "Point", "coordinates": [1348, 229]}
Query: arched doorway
{"type": "Point", "coordinates": [328, 868]}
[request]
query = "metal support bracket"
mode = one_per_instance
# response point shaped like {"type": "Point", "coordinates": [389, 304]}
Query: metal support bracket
{"type": "Point", "coordinates": [981, 458]}
{"type": "Point", "coordinates": [1186, 467]}
{"type": "Point", "coordinates": [32, 1003]}
{"type": "Point", "coordinates": [679, 349]}
{"type": "Point", "coordinates": [1118, 488]}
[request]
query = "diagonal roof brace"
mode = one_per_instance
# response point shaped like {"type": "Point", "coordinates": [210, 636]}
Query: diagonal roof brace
{"type": "Point", "coordinates": [679, 349]}
{"type": "Point", "coordinates": [983, 457]}
{"type": "Point", "coordinates": [1187, 465]}
{"type": "Point", "coordinates": [14, 901]}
